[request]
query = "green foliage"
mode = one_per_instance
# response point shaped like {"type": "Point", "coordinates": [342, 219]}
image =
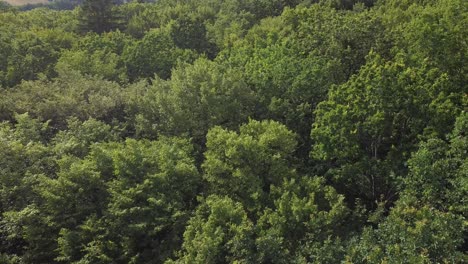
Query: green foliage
{"type": "Point", "coordinates": [70, 95]}
{"type": "Point", "coordinates": [22, 158]}
{"type": "Point", "coordinates": [438, 171]}
{"type": "Point", "coordinates": [155, 54]}
{"type": "Point", "coordinates": [431, 30]}
{"type": "Point", "coordinates": [245, 165]}
{"type": "Point", "coordinates": [343, 36]}
{"type": "Point", "coordinates": [148, 188]}
{"type": "Point", "coordinates": [306, 224]}
{"type": "Point", "coordinates": [219, 232]}
{"type": "Point", "coordinates": [83, 213]}
{"type": "Point", "coordinates": [30, 43]}
{"type": "Point", "coordinates": [411, 234]}
{"type": "Point", "coordinates": [34, 53]}
{"type": "Point", "coordinates": [98, 55]}
{"type": "Point", "coordinates": [30, 233]}
{"type": "Point", "coordinates": [292, 60]}
{"type": "Point", "coordinates": [79, 136]}
{"type": "Point", "coordinates": [370, 124]}
{"type": "Point", "coordinates": [98, 16]}
{"type": "Point", "coordinates": [197, 97]}
{"type": "Point", "coordinates": [188, 31]}
{"type": "Point", "coordinates": [139, 18]}
{"type": "Point", "coordinates": [135, 142]}
{"type": "Point", "coordinates": [4, 6]}
{"type": "Point", "coordinates": [347, 4]}
{"type": "Point", "coordinates": [40, 18]}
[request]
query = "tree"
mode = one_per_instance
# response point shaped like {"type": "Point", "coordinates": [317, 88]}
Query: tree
{"type": "Point", "coordinates": [5, 6]}
{"type": "Point", "coordinates": [63, 98]}
{"type": "Point", "coordinates": [34, 53]}
{"type": "Point", "coordinates": [291, 61]}
{"type": "Point", "coordinates": [125, 202]}
{"type": "Point", "coordinates": [197, 97]}
{"type": "Point", "coordinates": [98, 16]}
{"type": "Point", "coordinates": [99, 55]}
{"type": "Point", "coordinates": [23, 158]}
{"type": "Point", "coordinates": [411, 234]}
{"type": "Point", "coordinates": [5, 52]}
{"type": "Point", "coordinates": [244, 166]}
{"type": "Point", "coordinates": [432, 31]}
{"type": "Point", "coordinates": [369, 125]}
{"type": "Point", "coordinates": [155, 54]}
{"type": "Point", "coordinates": [79, 136]}
{"type": "Point", "coordinates": [188, 31]}
{"type": "Point", "coordinates": [219, 232]}
{"type": "Point", "coordinates": [438, 171]}
{"type": "Point", "coordinates": [307, 224]}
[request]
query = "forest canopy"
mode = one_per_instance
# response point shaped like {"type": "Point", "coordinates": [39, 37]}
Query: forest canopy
{"type": "Point", "coordinates": [234, 131]}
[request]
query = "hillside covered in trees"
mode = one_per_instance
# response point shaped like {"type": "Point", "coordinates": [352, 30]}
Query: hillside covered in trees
{"type": "Point", "coordinates": [234, 131]}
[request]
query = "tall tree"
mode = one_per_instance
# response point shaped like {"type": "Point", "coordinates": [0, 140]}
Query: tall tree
{"type": "Point", "coordinates": [98, 16]}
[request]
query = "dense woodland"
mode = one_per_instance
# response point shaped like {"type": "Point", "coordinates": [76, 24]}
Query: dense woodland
{"type": "Point", "coordinates": [234, 131]}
